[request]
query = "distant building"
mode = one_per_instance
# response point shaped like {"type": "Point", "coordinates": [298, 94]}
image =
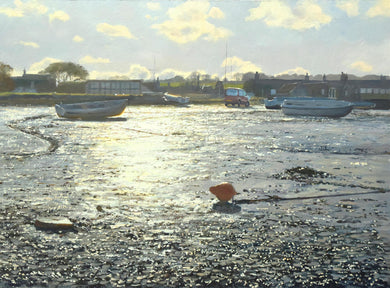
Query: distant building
{"type": "Point", "coordinates": [33, 83]}
{"type": "Point", "coordinates": [312, 88]}
{"type": "Point", "coordinates": [112, 87]}
{"type": "Point", "coordinates": [377, 91]}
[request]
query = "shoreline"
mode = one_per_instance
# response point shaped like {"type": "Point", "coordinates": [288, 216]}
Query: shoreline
{"type": "Point", "coordinates": [50, 99]}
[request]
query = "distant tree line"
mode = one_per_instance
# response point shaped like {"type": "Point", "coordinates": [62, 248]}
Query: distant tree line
{"type": "Point", "coordinates": [66, 71]}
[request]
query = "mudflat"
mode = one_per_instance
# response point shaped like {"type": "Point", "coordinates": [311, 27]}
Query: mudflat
{"type": "Point", "coordinates": [313, 198]}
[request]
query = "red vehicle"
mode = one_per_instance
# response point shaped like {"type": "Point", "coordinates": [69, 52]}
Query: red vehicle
{"type": "Point", "coordinates": [235, 96]}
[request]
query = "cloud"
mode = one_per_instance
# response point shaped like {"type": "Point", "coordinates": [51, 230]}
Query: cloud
{"type": "Point", "coordinates": [297, 70]}
{"type": "Point", "coordinates": [135, 71]}
{"type": "Point", "coordinates": [237, 65]}
{"type": "Point", "coordinates": [59, 15]}
{"type": "Point", "coordinates": [154, 6]}
{"type": "Point", "coordinates": [29, 44]}
{"type": "Point", "coordinates": [362, 66]}
{"type": "Point", "coordinates": [78, 38]}
{"type": "Point", "coordinates": [23, 8]}
{"type": "Point", "coordinates": [305, 15]}
{"type": "Point", "coordinates": [114, 30]}
{"type": "Point", "coordinates": [216, 13]}
{"type": "Point", "coordinates": [351, 7]}
{"type": "Point", "coordinates": [41, 65]}
{"type": "Point", "coordinates": [170, 73]}
{"type": "Point", "coordinates": [381, 8]}
{"type": "Point", "coordinates": [188, 22]}
{"type": "Point", "coordinates": [91, 60]}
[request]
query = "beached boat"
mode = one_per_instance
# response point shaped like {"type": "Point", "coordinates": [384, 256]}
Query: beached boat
{"type": "Point", "coordinates": [363, 105]}
{"type": "Point", "coordinates": [92, 110]}
{"type": "Point", "coordinates": [276, 102]}
{"type": "Point", "coordinates": [175, 99]}
{"type": "Point", "coordinates": [317, 107]}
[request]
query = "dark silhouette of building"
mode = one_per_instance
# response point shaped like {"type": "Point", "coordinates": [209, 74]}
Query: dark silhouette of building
{"type": "Point", "coordinates": [34, 83]}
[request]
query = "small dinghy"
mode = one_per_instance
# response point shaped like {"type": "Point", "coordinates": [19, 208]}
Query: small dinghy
{"type": "Point", "coordinates": [92, 110]}
{"type": "Point", "coordinates": [317, 108]}
{"type": "Point", "coordinates": [176, 100]}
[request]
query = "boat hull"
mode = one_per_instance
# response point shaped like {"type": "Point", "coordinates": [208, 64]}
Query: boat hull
{"type": "Point", "coordinates": [91, 110]}
{"type": "Point", "coordinates": [176, 100]}
{"type": "Point", "coordinates": [316, 108]}
{"type": "Point", "coordinates": [277, 101]}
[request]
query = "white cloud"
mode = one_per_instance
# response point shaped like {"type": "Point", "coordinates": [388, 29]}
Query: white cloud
{"type": "Point", "coordinates": [41, 65]}
{"type": "Point", "coordinates": [188, 22]}
{"type": "Point", "coordinates": [381, 8]}
{"type": "Point", "coordinates": [78, 38]}
{"type": "Point", "coordinates": [150, 17]}
{"type": "Point", "coordinates": [297, 70]}
{"type": "Point", "coordinates": [104, 74]}
{"type": "Point", "coordinates": [170, 73]}
{"type": "Point", "coordinates": [59, 15]}
{"type": "Point", "coordinates": [114, 30]}
{"type": "Point", "coordinates": [154, 6]}
{"type": "Point", "coordinates": [351, 7]}
{"type": "Point", "coordinates": [91, 60]}
{"type": "Point", "coordinates": [135, 71]}
{"type": "Point", "coordinates": [23, 8]}
{"type": "Point", "coordinates": [29, 44]}
{"type": "Point", "coordinates": [305, 15]}
{"type": "Point", "coordinates": [362, 66]}
{"type": "Point", "coordinates": [237, 65]}
{"type": "Point", "coordinates": [216, 13]}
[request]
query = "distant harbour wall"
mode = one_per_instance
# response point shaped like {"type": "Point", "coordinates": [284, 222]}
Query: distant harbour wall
{"type": "Point", "coordinates": [50, 99]}
{"type": "Point", "coordinates": [41, 99]}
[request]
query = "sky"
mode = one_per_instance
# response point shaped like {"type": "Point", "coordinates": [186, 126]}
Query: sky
{"type": "Point", "coordinates": [164, 38]}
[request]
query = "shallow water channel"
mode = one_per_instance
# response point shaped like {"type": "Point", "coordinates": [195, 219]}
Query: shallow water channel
{"type": "Point", "coordinates": [312, 207]}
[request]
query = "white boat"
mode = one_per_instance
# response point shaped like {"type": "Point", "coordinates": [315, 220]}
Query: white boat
{"type": "Point", "coordinates": [276, 102]}
{"type": "Point", "coordinates": [92, 110]}
{"type": "Point", "coordinates": [174, 99]}
{"type": "Point", "coordinates": [315, 107]}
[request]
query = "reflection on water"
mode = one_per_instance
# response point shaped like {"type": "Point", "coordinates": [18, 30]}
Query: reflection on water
{"type": "Point", "coordinates": [161, 157]}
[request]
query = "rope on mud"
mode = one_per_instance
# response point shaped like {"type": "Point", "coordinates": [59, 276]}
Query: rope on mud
{"type": "Point", "coordinates": [53, 142]}
{"type": "Point", "coordinates": [275, 198]}
{"type": "Point", "coordinates": [147, 132]}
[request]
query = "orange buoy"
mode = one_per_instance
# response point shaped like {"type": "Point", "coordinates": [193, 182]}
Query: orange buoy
{"type": "Point", "coordinates": [224, 191]}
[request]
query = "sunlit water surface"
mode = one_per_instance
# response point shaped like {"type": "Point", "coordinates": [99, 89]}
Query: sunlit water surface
{"type": "Point", "coordinates": [156, 163]}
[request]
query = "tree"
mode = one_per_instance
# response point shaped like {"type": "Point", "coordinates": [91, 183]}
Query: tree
{"type": "Point", "coordinates": [205, 77]}
{"type": "Point", "coordinates": [66, 71]}
{"type": "Point", "coordinates": [238, 76]}
{"type": "Point", "coordinates": [6, 83]}
{"type": "Point", "coordinates": [248, 76]}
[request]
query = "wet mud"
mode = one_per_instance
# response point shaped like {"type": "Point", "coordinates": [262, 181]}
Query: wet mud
{"type": "Point", "coordinates": [311, 209]}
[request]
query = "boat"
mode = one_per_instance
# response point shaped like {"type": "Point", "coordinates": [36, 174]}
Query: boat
{"type": "Point", "coordinates": [317, 107]}
{"type": "Point", "coordinates": [175, 99]}
{"type": "Point", "coordinates": [92, 110]}
{"type": "Point", "coordinates": [363, 105]}
{"type": "Point", "coordinates": [276, 102]}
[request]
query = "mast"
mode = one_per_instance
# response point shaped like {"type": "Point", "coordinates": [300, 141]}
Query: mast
{"type": "Point", "coordinates": [154, 69]}
{"type": "Point", "coordinates": [225, 79]}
